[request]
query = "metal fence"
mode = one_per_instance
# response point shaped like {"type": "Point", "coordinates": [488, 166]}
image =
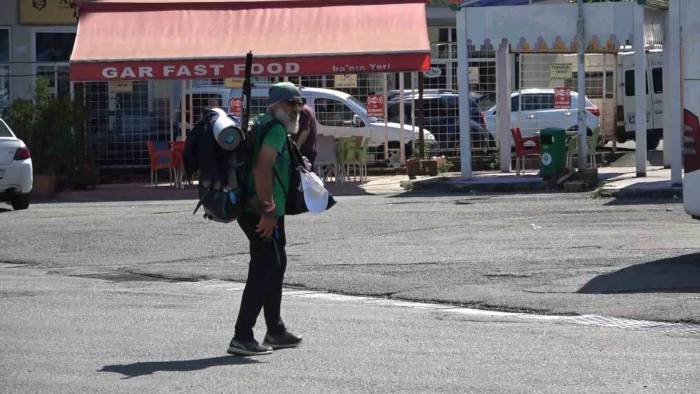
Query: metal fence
{"type": "Point", "coordinates": [533, 106]}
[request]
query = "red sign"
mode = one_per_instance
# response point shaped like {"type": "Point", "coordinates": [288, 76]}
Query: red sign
{"type": "Point", "coordinates": [235, 106]}
{"type": "Point", "coordinates": [263, 67]}
{"type": "Point", "coordinates": [375, 105]}
{"type": "Point", "coordinates": [562, 98]}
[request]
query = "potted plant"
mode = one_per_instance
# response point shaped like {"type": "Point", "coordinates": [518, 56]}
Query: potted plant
{"type": "Point", "coordinates": [84, 174]}
{"type": "Point", "coordinates": [46, 126]}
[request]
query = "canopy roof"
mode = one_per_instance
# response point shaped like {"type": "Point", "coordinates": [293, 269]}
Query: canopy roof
{"type": "Point", "coordinates": [182, 39]}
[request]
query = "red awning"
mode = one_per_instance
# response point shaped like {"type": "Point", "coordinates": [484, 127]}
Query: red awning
{"type": "Point", "coordinates": [161, 39]}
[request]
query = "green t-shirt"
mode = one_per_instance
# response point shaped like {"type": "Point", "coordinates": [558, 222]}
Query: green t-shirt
{"type": "Point", "coordinates": [276, 138]}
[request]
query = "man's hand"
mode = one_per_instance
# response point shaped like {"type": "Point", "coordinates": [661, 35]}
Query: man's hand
{"type": "Point", "coordinates": [266, 226]}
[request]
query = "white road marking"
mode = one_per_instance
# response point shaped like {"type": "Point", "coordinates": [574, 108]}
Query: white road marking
{"type": "Point", "coordinates": [583, 320]}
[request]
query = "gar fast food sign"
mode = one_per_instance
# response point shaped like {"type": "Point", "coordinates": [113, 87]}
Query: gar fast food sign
{"type": "Point", "coordinates": [182, 71]}
{"type": "Point", "coordinates": [262, 67]}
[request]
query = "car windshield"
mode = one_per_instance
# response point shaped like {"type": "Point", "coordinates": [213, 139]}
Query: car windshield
{"type": "Point", "coordinates": [357, 106]}
{"type": "Point", "coordinates": [5, 130]}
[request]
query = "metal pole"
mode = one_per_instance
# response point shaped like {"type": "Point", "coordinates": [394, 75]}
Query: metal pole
{"type": "Point", "coordinates": [463, 84]}
{"type": "Point", "coordinates": [171, 118]}
{"type": "Point", "coordinates": [581, 87]}
{"type": "Point", "coordinates": [413, 108]}
{"type": "Point", "coordinates": [640, 88]}
{"type": "Point", "coordinates": [402, 153]}
{"type": "Point", "coordinates": [191, 103]}
{"type": "Point", "coordinates": [421, 118]}
{"type": "Point", "coordinates": [386, 120]}
{"type": "Point", "coordinates": [616, 78]}
{"type": "Point", "coordinates": [183, 119]}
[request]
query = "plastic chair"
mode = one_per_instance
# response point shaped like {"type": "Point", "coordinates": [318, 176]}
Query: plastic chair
{"type": "Point", "coordinates": [327, 157]}
{"type": "Point", "coordinates": [571, 151]}
{"type": "Point", "coordinates": [356, 158]}
{"type": "Point", "coordinates": [572, 148]}
{"type": "Point", "coordinates": [161, 158]}
{"type": "Point", "coordinates": [345, 147]}
{"type": "Point", "coordinates": [522, 150]}
{"type": "Point", "coordinates": [178, 150]}
{"type": "Point", "coordinates": [360, 157]}
{"type": "Point", "coordinates": [593, 146]}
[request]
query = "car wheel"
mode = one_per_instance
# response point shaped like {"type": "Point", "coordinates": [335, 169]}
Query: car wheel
{"type": "Point", "coordinates": [20, 202]}
{"type": "Point", "coordinates": [653, 143]}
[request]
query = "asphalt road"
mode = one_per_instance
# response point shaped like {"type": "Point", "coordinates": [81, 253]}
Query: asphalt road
{"type": "Point", "coordinates": [77, 334]}
{"type": "Point", "coordinates": [544, 253]}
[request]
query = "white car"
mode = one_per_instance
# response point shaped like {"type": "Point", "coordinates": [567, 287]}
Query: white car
{"type": "Point", "coordinates": [533, 110]}
{"type": "Point", "coordinates": [15, 169]}
{"type": "Point", "coordinates": [337, 113]}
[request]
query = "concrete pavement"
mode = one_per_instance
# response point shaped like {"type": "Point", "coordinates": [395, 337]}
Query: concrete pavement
{"type": "Point", "coordinates": [545, 253]}
{"type": "Point", "coordinates": [68, 334]}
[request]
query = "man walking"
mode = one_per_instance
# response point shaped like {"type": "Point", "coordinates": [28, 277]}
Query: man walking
{"type": "Point", "coordinates": [263, 224]}
{"type": "Point", "coordinates": [306, 137]}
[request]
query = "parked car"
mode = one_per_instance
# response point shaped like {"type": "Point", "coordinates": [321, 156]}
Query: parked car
{"type": "Point", "coordinates": [690, 89]}
{"type": "Point", "coordinates": [626, 117]}
{"type": "Point", "coordinates": [338, 114]}
{"type": "Point", "coordinates": [15, 169]}
{"type": "Point", "coordinates": [441, 118]}
{"type": "Point", "coordinates": [533, 110]}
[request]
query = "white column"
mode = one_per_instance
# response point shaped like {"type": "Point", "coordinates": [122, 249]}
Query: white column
{"type": "Point", "coordinates": [640, 98]}
{"type": "Point", "coordinates": [667, 99]}
{"type": "Point", "coordinates": [402, 121]}
{"type": "Point", "coordinates": [463, 85]}
{"type": "Point", "coordinates": [503, 112]}
{"type": "Point", "coordinates": [581, 88]}
{"type": "Point", "coordinates": [672, 94]}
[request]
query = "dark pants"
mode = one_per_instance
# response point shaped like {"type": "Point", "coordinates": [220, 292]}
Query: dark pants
{"type": "Point", "coordinates": [263, 289]}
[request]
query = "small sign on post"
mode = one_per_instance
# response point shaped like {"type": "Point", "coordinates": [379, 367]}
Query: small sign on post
{"type": "Point", "coordinates": [346, 81]}
{"type": "Point", "coordinates": [562, 98]}
{"type": "Point", "coordinates": [121, 86]}
{"type": "Point", "coordinates": [560, 71]}
{"type": "Point", "coordinates": [236, 106]}
{"type": "Point", "coordinates": [375, 105]}
{"type": "Point", "coordinates": [234, 83]}
{"type": "Point", "coordinates": [473, 75]}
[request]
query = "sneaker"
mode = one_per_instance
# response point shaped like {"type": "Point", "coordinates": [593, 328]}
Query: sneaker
{"type": "Point", "coordinates": [281, 341]}
{"type": "Point", "coordinates": [247, 348]}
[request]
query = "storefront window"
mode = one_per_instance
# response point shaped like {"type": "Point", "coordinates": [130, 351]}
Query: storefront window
{"type": "Point", "coordinates": [54, 47]}
{"type": "Point", "coordinates": [53, 51]}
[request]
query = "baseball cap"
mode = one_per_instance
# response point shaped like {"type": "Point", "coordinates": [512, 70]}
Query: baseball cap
{"type": "Point", "coordinates": [284, 91]}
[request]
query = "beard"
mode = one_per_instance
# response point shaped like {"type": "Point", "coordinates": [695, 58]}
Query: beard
{"type": "Point", "coordinates": [289, 120]}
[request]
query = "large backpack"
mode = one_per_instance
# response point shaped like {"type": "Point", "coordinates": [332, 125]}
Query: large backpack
{"type": "Point", "coordinates": [222, 173]}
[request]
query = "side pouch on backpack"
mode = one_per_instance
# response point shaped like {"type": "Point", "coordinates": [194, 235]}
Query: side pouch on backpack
{"type": "Point", "coordinates": [219, 205]}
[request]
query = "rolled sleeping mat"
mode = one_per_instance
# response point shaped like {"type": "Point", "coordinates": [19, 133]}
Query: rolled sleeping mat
{"type": "Point", "coordinates": [226, 132]}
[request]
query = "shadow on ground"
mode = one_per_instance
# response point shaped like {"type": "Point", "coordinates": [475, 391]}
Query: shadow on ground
{"type": "Point", "coordinates": [346, 189]}
{"type": "Point", "coordinates": [674, 275]}
{"type": "Point", "coordinates": [149, 367]}
{"type": "Point", "coordinates": [644, 201]}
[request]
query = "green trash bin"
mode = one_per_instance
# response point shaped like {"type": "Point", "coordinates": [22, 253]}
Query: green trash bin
{"type": "Point", "coordinates": [553, 151]}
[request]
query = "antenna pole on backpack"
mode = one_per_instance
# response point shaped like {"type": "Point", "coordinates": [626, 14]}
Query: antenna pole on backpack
{"type": "Point", "coordinates": [245, 99]}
